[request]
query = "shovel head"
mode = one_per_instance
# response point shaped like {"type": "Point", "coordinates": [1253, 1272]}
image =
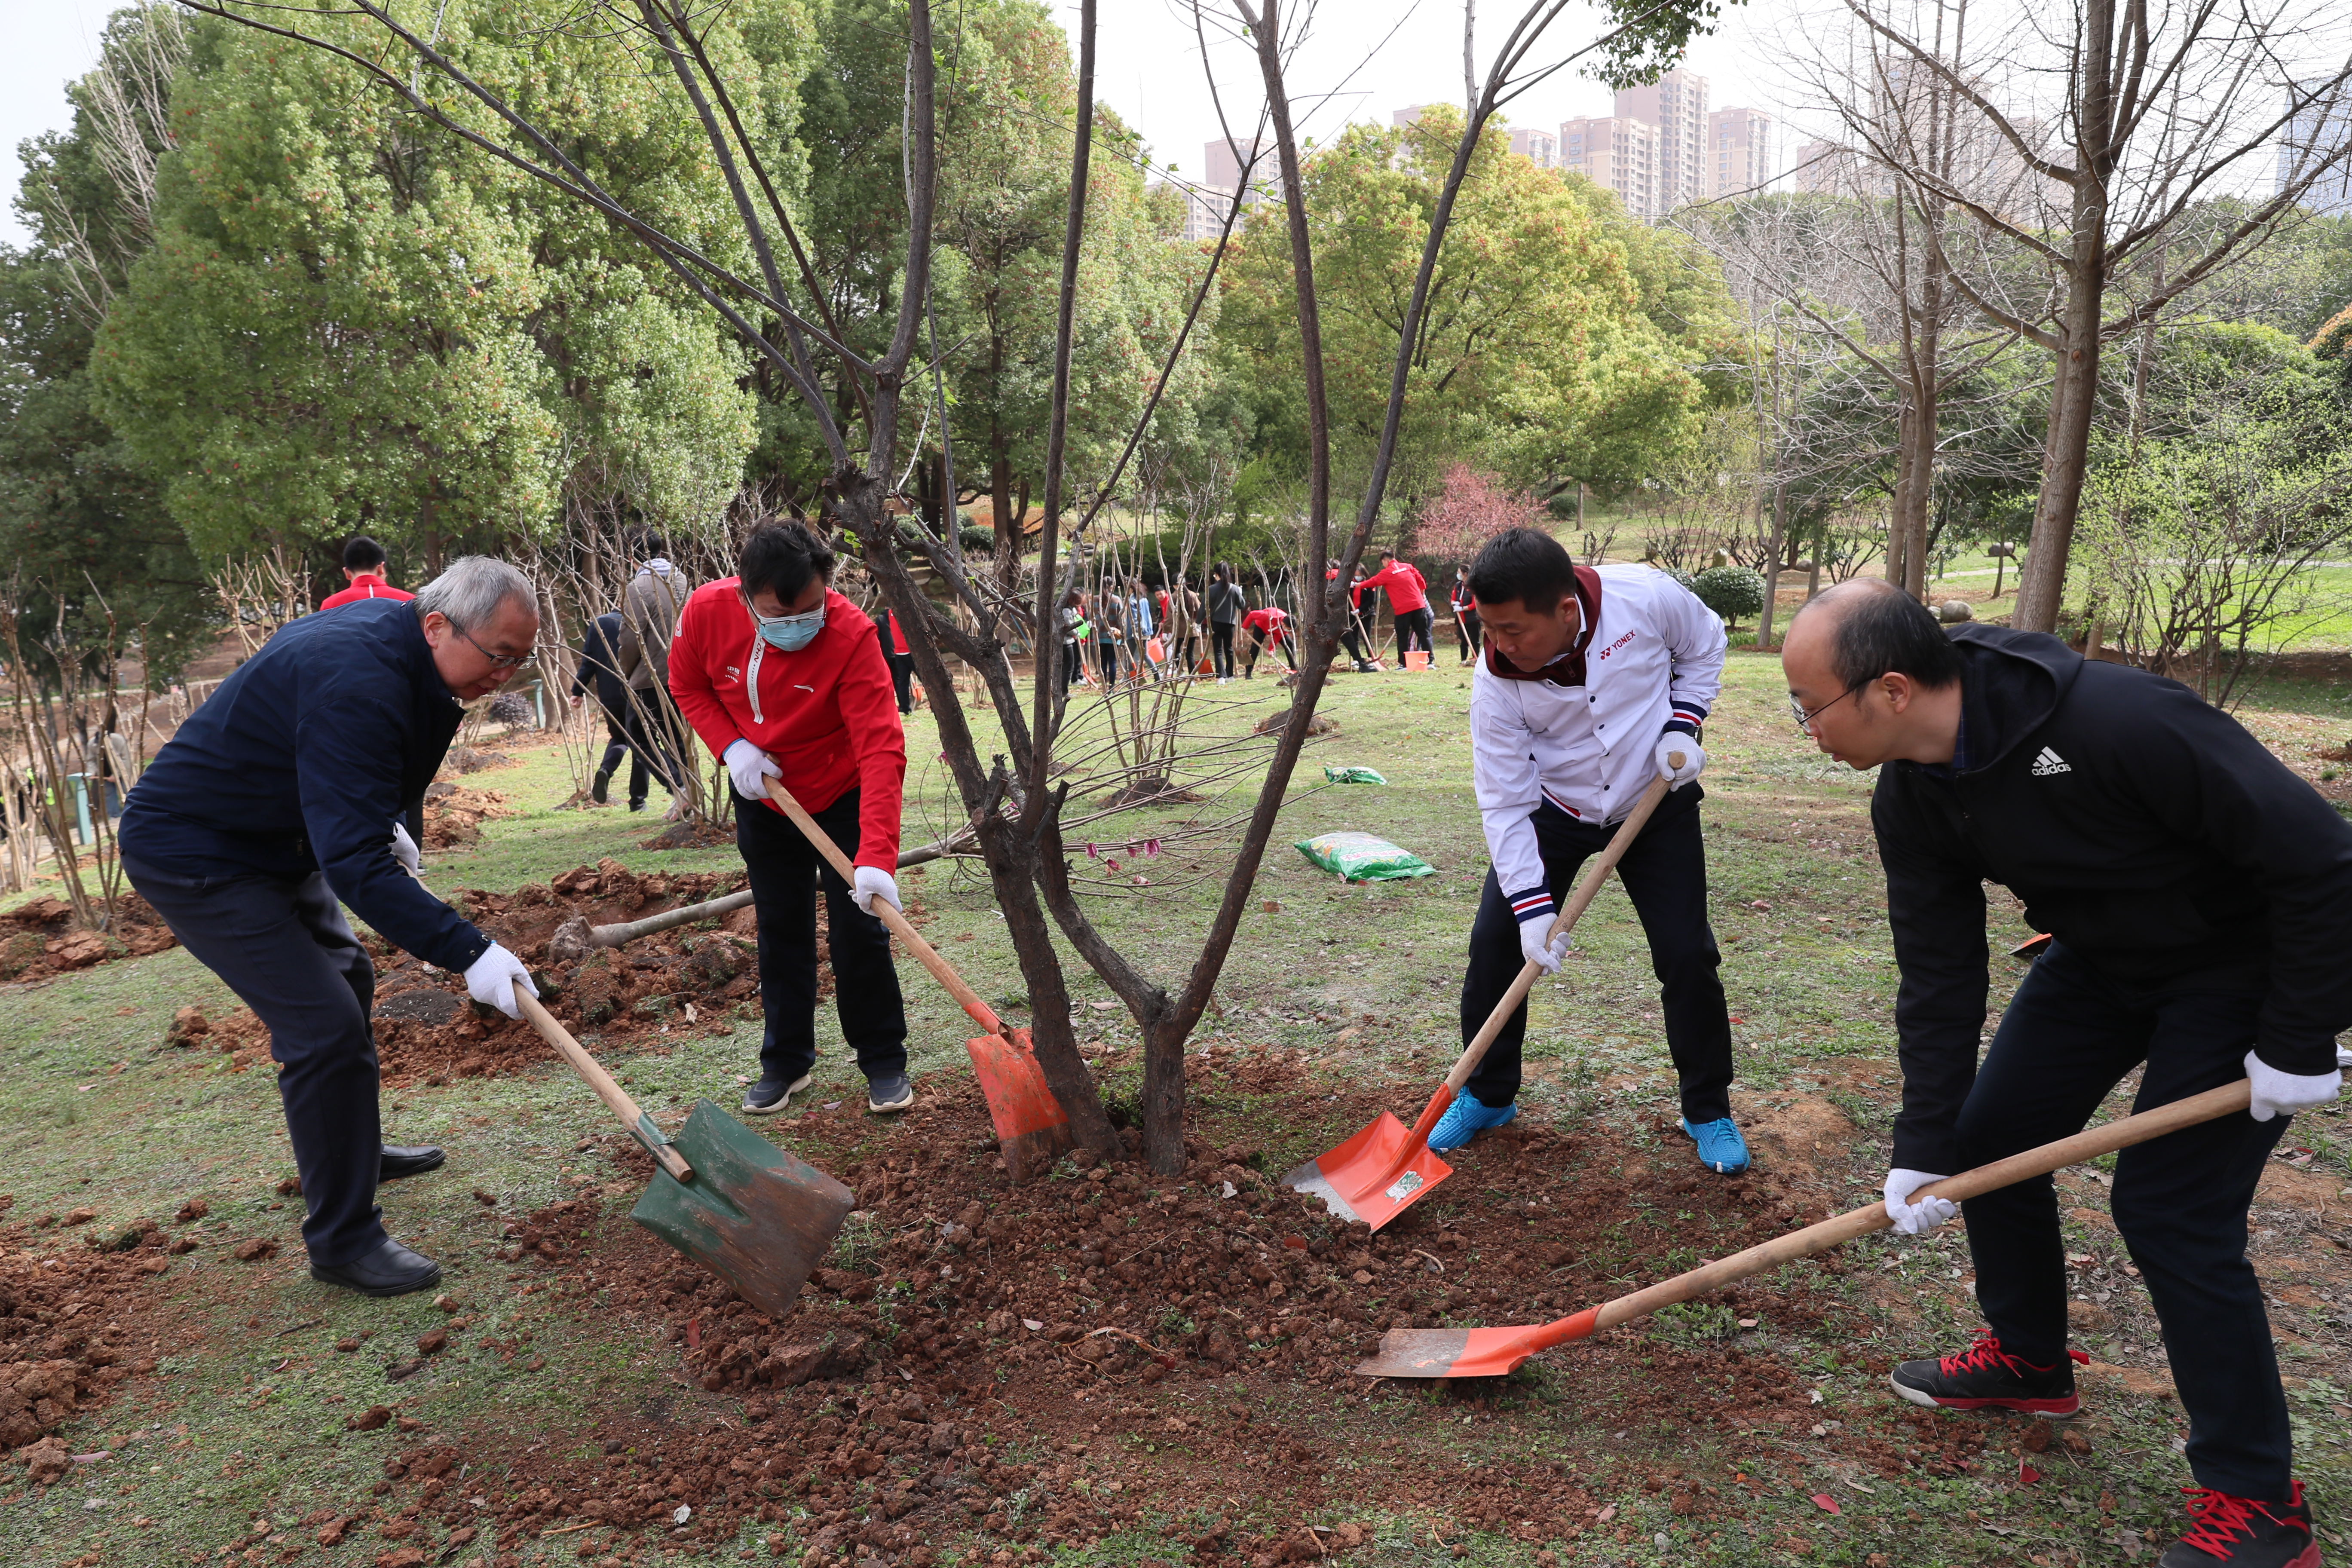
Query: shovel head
{"type": "Point", "coordinates": [753, 1215]}
{"type": "Point", "coordinates": [1361, 1179]}
{"type": "Point", "coordinates": [1032, 1127]}
{"type": "Point", "coordinates": [1470, 1352]}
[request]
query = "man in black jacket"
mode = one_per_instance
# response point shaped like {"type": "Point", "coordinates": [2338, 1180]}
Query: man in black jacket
{"type": "Point", "coordinates": [2199, 900]}
{"type": "Point", "coordinates": [600, 672]}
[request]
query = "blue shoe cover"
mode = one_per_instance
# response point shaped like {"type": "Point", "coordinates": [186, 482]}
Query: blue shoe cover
{"type": "Point", "coordinates": [1465, 1118]}
{"type": "Point", "coordinates": [1721, 1149]}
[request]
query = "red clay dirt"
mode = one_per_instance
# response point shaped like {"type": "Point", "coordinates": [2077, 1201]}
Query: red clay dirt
{"type": "Point", "coordinates": [38, 942]}
{"type": "Point", "coordinates": [1185, 1343]}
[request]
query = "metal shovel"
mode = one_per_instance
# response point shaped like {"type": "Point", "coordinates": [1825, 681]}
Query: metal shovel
{"type": "Point", "coordinates": [1384, 1170]}
{"type": "Point", "coordinates": [1032, 1129]}
{"type": "Point", "coordinates": [726, 1197]}
{"type": "Point", "coordinates": [1491, 1352]}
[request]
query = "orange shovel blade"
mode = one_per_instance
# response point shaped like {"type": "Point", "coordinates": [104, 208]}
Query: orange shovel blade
{"type": "Point", "coordinates": [1031, 1125]}
{"type": "Point", "coordinates": [1359, 1180]}
{"type": "Point", "coordinates": [1470, 1352]}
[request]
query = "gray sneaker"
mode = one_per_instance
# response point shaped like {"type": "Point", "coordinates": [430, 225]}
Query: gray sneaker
{"type": "Point", "coordinates": [771, 1094]}
{"type": "Point", "coordinates": [890, 1093]}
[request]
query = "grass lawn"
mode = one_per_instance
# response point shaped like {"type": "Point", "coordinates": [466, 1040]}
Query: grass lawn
{"type": "Point", "coordinates": [241, 1432]}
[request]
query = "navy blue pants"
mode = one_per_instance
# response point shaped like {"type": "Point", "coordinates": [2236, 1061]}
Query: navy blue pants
{"type": "Point", "coordinates": [785, 873]}
{"type": "Point", "coordinates": [1665, 873]}
{"type": "Point", "coordinates": [2068, 1038]}
{"type": "Point", "coordinates": [288, 952]}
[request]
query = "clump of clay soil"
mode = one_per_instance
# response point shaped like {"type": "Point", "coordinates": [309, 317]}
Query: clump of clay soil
{"type": "Point", "coordinates": [39, 940]}
{"type": "Point", "coordinates": [454, 814]}
{"type": "Point", "coordinates": [1140, 1340]}
{"type": "Point", "coordinates": [56, 1361]}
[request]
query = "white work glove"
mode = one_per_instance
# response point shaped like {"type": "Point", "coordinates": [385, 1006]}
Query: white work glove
{"type": "Point", "coordinates": [872, 882]}
{"type": "Point", "coordinates": [1544, 955]}
{"type": "Point", "coordinates": [1919, 1218]}
{"type": "Point", "coordinates": [747, 765]}
{"type": "Point", "coordinates": [404, 849]}
{"type": "Point", "coordinates": [492, 978]}
{"type": "Point", "coordinates": [1676, 743]}
{"type": "Point", "coordinates": [2279, 1093]}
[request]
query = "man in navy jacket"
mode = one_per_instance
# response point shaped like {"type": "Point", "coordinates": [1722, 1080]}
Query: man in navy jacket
{"type": "Point", "coordinates": [2198, 896]}
{"type": "Point", "coordinates": [281, 795]}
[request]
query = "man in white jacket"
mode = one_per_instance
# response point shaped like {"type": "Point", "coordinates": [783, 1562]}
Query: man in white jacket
{"type": "Point", "coordinates": [1591, 678]}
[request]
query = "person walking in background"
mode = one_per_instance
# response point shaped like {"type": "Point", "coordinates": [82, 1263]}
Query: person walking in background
{"type": "Point", "coordinates": [1227, 604]}
{"type": "Point", "coordinates": [1466, 615]}
{"type": "Point", "coordinates": [1267, 629]}
{"type": "Point", "coordinates": [1186, 607]}
{"type": "Point", "coordinates": [783, 678]}
{"type": "Point", "coordinates": [1140, 630]}
{"type": "Point", "coordinates": [363, 570]}
{"type": "Point", "coordinates": [1352, 633]}
{"type": "Point", "coordinates": [1071, 617]}
{"type": "Point", "coordinates": [893, 637]}
{"type": "Point", "coordinates": [276, 803]}
{"type": "Point", "coordinates": [1111, 629]}
{"type": "Point", "coordinates": [599, 673]}
{"type": "Point", "coordinates": [1408, 602]}
{"type": "Point", "coordinates": [649, 612]}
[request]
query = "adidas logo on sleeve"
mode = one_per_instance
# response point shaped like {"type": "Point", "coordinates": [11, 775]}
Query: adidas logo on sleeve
{"type": "Point", "coordinates": [2049, 762]}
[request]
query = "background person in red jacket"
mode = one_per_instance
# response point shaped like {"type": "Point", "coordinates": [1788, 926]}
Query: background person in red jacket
{"type": "Point", "coordinates": [1267, 629]}
{"type": "Point", "coordinates": [1408, 602]}
{"type": "Point", "coordinates": [363, 570]}
{"type": "Point", "coordinates": [783, 678]}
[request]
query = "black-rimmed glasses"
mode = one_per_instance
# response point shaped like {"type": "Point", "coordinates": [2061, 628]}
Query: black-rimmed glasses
{"type": "Point", "coordinates": [1805, 720]}
{"type": "Point", "coordinates": [498, 661]}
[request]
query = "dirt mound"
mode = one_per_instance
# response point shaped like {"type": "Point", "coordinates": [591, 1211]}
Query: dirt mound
{"type": "Point", "coordinates": [454, 814]}
{"type": "Point", "coordinates": [73, 1325]}
{"type": "Point", "coordinates": [38, 940]}
{"type": "Point", "coordinates": [1134, 1337]}
{"type": "Point", "coordinates": [690, 832]}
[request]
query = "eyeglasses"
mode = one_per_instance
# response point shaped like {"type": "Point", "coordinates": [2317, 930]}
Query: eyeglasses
{"type": "Point", "coordinates": [498, 661]}
{"type": "Point", "coordinates": [1805, 720]}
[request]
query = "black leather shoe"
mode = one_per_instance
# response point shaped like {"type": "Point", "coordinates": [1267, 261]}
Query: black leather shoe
{"type": "Point", "coordinates": [390, 1270]}
{"type": "Point", "coordinates": [599, 790]}
{"type": "Point", "coordinates": [398, 1161]}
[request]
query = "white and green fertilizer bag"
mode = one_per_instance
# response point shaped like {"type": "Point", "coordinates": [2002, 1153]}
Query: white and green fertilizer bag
{"type": "Point", "coordinates": [1360, 858]}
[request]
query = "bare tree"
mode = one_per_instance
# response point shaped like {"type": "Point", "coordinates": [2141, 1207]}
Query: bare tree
{"type": "Point", "coordinates": [2106, 124]}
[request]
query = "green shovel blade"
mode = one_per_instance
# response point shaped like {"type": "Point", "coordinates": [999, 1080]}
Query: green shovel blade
{"type": "Point", "coordinates": [753, 1215]}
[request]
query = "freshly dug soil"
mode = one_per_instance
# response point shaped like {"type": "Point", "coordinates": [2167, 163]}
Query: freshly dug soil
{"type": "Point", "coordinates": [454, 814]}
{"type": "Point", "coordinates": [73, 1325]}
{"type": "Point", "coordinates": [39, 940]}
{"type": "Point", "coordinates": [1180, 1342]}
{"type": "Point", "coordinates": [685, 980]}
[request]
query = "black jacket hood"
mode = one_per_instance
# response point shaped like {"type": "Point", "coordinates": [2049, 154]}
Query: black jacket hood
{"type": "Point", "coordinates": [2012, 682]}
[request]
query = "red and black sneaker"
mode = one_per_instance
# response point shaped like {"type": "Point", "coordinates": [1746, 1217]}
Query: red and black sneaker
{"type": "Point", "coordinates": [1986, 1377]}
{"type": "Point", "coordinates": [2246, 1533]}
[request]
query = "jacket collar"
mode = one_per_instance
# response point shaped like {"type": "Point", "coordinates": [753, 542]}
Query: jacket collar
{"type": "Point", "coordinates": [1568, 669]}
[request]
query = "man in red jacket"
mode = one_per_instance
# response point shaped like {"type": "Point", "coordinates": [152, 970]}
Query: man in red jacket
{"type": "Point", "coordinates": [783, 678]}
{"type": "Point", "coordinates": [1267, 629]}
{"type": "Point", "coordinates": [1408, 601]}
{"type": "Point", "coordinates": [364, 563]}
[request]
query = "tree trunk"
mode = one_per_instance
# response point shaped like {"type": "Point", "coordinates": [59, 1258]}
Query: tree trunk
{"type": "Point", "coordinates": [1772, 568]}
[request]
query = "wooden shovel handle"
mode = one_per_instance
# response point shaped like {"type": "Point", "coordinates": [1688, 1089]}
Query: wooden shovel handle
{"type": "Point", "coordinates": [2087, 1144]}
{"type": "Point", "coordinates": [589, 1068]}
{"type": "Point", "coordinates": [1623, 840]}
{"type": "Point", "coordinates": [982, 1013]}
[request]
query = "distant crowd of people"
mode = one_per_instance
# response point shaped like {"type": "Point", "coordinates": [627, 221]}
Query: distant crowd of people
{"type": "Point", "coordinates": [1129, 631]}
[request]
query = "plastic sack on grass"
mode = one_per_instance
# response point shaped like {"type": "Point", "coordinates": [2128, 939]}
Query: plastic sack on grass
{"type": "Point", "coordinates": [1360, 858]}
{"type": "Point", "coordinates": [1354, 776]}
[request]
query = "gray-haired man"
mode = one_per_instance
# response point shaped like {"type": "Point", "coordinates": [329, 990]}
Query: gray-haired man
{"type": "Point", "coordinates": [281, 795]}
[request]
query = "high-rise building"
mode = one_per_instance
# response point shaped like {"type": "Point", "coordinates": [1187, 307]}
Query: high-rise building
{"type": "Point", "coordinates": [1617, 155]}
{"type": "Point", "coordinates": [1675, 105]}
{"type": "Point", "coordinates": [1540, 147]}
{"type": "Point", "coordinates": [2320, 126]}
{"type": "Point", "coordinates": [1225, 159]}
{"type": "Point", "coordinates": [1739, 152]}
{"type": "Point", "coordinates": [1204, 209]}
{"type": "Point", "coordinates": [1401, 118]}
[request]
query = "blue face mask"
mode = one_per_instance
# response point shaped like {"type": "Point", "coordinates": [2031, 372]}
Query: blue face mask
{"type": "Point", "coordinates": [790, 633]}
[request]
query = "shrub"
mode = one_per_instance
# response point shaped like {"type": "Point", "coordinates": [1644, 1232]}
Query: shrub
{"type": "Point", "coordinates": [1731, 591]}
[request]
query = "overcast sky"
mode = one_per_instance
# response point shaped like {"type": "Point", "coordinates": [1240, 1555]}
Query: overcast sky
{"type": "Point", "coordinates": [1372, 56]}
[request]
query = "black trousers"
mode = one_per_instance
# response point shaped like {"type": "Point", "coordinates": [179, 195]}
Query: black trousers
{"type": "Point", "coordinates": [1352, 639]}
{"type": "Point", "coordinates": [288, 952]}
{"type": "Point", "coordinates": [1220, 648]}
{"type": "Point", "coordinates": [1277, 646]}
{"type": "Point", "coordinates": [1107, 662]}
{"type": "Point", "coordinates": [2068, 1038]}
{"type": "Point", "coordinates": [654, 743]}
{"type": "Point", "coordinates": [1070, 664]}
{"type": "Point", "coordinates": [1466, 634]}
{"type": "Point", "coordinates": [1665, 873]}
{"type": "Point", "coordinates": [902, 679]}
{"type": "Point", "coordinates": [785, 873]}
{"type": "Point", "coordinates": [617, 743]}
{"type": "Point", "coordinates": [1413, 631]}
